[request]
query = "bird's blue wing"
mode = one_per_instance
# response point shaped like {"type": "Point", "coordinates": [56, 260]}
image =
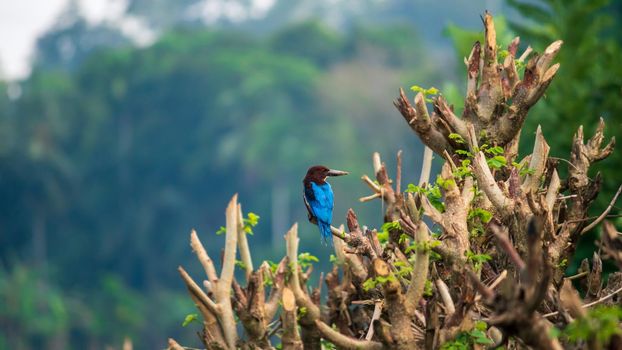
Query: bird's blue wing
{"type": "Point", "coordinates": [322, 202]}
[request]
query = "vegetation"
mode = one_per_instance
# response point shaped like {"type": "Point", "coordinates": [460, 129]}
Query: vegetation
{"type": "Point", "coordinates": [506, 227]}
{"type": "Point", "coordinates": [105, 160]}
{"type": "Point", "coordinates": [109, 151]}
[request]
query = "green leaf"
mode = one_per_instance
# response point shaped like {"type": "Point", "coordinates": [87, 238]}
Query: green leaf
{"type": "Point", "coordinates": [477, 260]}
{"type": "Point", "coordinates": [427, 289]}
{"type": "Point", "coordinates": [240, 264]}
{"type": "Point", "coordinates": [432, 91]}
{"type": "Point", "coordinates": [466, 153]}
{"type": "Point", "coordinates": [403, 238]}
{"type": "Point", "coordinates": [457, 138]}
{"type": "Point", "coordinates": [251, 221]}
{"type": "Point", "coordinates": [305, 259]}
{"type": "Point", "coordinates": [414, 189]}
{"type": "Point", "coordinates": [369, 284]}
{"type": "Point", "coordinates": [494, 151]}
{"type": "Point", "coordinates": [383, 236]}
{"type": "Point", "coordinates": [496, 162]}
{"type": "Point", "coordinates": [425, 92]}
{"type": "Point", "coordinates": [190, 318]}
{"type": "Point", "coordinates": [484, 215]}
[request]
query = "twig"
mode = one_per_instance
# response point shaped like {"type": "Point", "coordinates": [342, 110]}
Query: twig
{"type": "Point", "coordinates": [577, 276]}
{"type": "Point", "coordinates": [370, 198]}
{"type": "Point", "coordinates": [173, 345]}
{"type": "Point", "coordinates": [560, 198]}
{"type": "Point", "coordinates": [604, 214]}
{"type": "Point", "coordinates": [594, 217]}
{"type": "Point", "coordinates": [508, 248]}
{"type": "Point", "coordinates": [525, 54]}
{"type": "Point", "coordinates": [344, 341]}
{"type": "Point", "coordinates": [200, 294]}
{"type": "Point", "coordinates": [494, 283]}
{"type": "Point", "coordinates": [426, 166]}
{"type": "Point", "coordinates": [245, 253]}
{"type": "Point", "coordinates": [398, 174]}
{"type": "Point", "coordinates": [366, 302]}
{"type": "Point", "coordinates": [204, 259]}
{"type": "Point", "coordinates": [606, 297]}
{"type": "Point", "coordinates": [375, 316]}
{"type": "Point", "coordinates": [444, 292]}
{"type": "Point", "coordinates": [374, 186]}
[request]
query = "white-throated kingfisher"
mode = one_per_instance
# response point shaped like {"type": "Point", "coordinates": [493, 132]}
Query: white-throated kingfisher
{"type": "Point", "coordinates": [318, 198]}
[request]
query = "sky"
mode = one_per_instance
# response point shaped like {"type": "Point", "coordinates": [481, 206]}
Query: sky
{"type": "Point", "coordinates": [23, 21]}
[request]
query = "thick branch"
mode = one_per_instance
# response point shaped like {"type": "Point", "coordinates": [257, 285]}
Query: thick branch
{"type": "Point", "coordinates": [222, 292]}
{"type": "Point", "coordinates": [420, 269]}
{"type": "Point", "coordinates": [302, 299]}
{"type": "Point", "coordinates": [291, 337]}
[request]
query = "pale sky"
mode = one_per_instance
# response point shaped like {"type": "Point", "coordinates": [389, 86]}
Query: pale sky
{"type": "Point", "coordinates": [23, 21]}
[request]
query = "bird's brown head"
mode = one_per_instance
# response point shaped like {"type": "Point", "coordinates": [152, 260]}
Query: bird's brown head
{"type": "Point", "coordinates": [319, 173]}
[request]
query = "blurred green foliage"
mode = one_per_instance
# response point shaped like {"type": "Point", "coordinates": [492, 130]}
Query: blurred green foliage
{"type": "Point", "coordinates": [588, 84]}
{"type": "Point", "coordinates": [107, 163]}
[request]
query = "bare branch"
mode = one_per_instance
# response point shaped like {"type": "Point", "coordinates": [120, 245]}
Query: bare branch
{"type": "Point", "coordinates": [371, 184]}
{"type": "Point", "coordinates": [204, 259]}
{"type": "Point", "coordinates": [596, 302]}
{"type": "Point", "coordinates": [487, 183]}
{"type": "Point", "coordinates": [445, 296]}
{"type": "Point", "coordinates": [473, 69]}
{"type": "Point", "coordinates": [398, 173]}
{"type": "Point", "coordinates": [604, 214]}
{"type": "Point", "coordinates": [173, 345]}
{"type": "Point", "coordinates": [245, 253]}
{"type": "Point", "coordinates": [420, 269]}
{"type": "Point", "coordinates": [228, 264]}
{"type": "Point", "coordinates": [508, 248]}
{"type": "Point", "coordinates": [278, 282]}
{"type": "Point", "coordinates": [222, 289]}
{"type": "Point", "coordinates": [302, 299]}
{"type": "Point", "coordinates": [426, 166]}
{"type": "Point", "coordinates": [194, 288]}
{"type": "Point", "coordinates": [375, 316]}
{"type": "Point", "coordinates": [346, 342]}
{"type": "Point", "coordinates": [537, 164]}
{"type": "Point", "coordinates": [553, 190]}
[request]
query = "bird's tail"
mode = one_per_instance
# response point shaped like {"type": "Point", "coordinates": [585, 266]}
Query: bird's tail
{"type": "Point", "coordinates": [327, 235]}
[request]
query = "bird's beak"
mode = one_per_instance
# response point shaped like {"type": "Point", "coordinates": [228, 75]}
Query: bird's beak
{"type": "Point", "coordinates": [333, 172]}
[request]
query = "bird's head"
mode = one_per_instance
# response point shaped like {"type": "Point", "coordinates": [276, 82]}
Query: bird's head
{"type": "Point", "coordinates": [319, 173]}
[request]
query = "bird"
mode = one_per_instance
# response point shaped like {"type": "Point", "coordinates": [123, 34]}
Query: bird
{"type": "Point", "coordinates": [319, 199]}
